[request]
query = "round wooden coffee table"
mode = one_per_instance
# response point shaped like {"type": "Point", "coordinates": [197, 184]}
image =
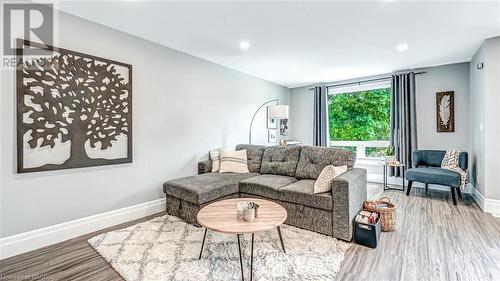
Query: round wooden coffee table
{"type": "Point", "coordinates": [221, 216]}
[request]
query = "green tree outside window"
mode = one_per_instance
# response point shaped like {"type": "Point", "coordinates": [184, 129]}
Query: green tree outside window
{"type": "Point", "coordinates": [360, 116]}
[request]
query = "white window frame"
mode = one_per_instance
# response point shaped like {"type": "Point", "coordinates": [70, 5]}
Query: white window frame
{"type": "Point", "coordinates": [360, 145]}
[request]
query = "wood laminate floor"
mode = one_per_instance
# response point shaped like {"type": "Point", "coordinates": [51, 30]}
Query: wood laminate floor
{"type": "Point", "coordinates": [434, 240]}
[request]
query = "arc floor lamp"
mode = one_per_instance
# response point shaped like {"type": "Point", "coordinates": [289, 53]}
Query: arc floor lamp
{"type": "Point", "coordinates": [275, 112]}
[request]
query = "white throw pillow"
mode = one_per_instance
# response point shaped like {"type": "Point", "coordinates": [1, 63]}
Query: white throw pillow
{"type": "Point", "coordinates": [215, 157]}
{"type": "Point", "coordinates": [233, 161]}
{"type": "Point", "coordinates": [325, 179]}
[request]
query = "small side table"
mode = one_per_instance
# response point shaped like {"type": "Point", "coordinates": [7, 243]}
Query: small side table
{"type": "Point", "coordinates": [385, 166]}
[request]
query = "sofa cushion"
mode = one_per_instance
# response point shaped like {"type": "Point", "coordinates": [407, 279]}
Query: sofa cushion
{"type": "Point", "coordinates": [265, 185]}
{"type": "Point", "coordinates": [254, 155]}
{"type": "Point", "coordinates": [280, 160]}
{"type": "Point", "coordinates": [434, 175]}
{"type": "Point", "coordinates": [302, 192]}
{"type": "Point", "coordinates": [204, 188]}
{"type": "Point", "coordinates": [313, 159]}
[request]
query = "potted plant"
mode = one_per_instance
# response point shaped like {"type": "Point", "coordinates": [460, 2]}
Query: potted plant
{"type": "Point", "coordinates": [389, 155]}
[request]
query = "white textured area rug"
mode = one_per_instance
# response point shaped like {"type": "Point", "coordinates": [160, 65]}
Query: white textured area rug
{"type": "Point", "coordinates": [167, 248]}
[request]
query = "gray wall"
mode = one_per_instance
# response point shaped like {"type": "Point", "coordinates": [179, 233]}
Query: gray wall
{"type": "Point", "coordinates": [477, 106]}
{"type": "Point", "coordinates": [453, 77]}
{"type": "Point", "coordinates": [492, 137]}
{"type": "Point", "coordinates": [182, 107]}
{"type": "Point", "coordinates": [484, 128]}
{"type": "Point", "coordinates": [491, 119]}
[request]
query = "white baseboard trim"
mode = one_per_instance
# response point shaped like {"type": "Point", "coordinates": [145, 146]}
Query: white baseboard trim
{"type": "Point", "coordinates": [491, 206]}
{"type": "Point", "coordinates": [31, 240]}
{"type": "Point", "coordinates": [398, 181]}
{"type": "Point", "coordinates": [478, 197]}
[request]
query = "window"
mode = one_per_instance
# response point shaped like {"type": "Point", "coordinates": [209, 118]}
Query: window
{"type": "Point", "coordinates": [359, 118]}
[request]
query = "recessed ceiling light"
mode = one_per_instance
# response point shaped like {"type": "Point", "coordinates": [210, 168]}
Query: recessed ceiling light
{"type": "Point", "coordinates": [294, 69]}
{"type": "Point", "coordinates": [402, 47]}
{"type": "Point", "coordinates": [244, 45]}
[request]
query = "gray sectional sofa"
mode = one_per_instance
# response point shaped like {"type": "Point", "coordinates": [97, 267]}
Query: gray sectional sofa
{"type": "Point", "coordinates": [282, 174]}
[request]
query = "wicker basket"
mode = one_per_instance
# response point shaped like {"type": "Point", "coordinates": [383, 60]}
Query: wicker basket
{"type": "Point", "coordinates": [387, 215]}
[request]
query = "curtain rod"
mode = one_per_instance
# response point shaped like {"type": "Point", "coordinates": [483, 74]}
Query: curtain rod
{"type": "Point", "coordinates": [364, 81]}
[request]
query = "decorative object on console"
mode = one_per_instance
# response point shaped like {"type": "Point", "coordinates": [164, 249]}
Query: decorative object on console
{"type": "Point", "coordinates": [73, 110]}
{"type": "Point", "coordinates": [233, 161]}
{"type": "Point", "coordinates": [280, 112]}
{"type": "Point", "coordinates": [271, 136]}
{"type": "Point", "coordinates": [289, 142]}
{"type": "Point", "coordinates": [445, 111]}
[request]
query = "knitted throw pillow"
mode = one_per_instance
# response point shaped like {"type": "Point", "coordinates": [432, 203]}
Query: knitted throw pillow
{"type": "Point", "coordinates": [325, 179]}
{"type": "Point", "coordinates": [233, 161]}
{"type": "Point", "coordinates": [215, 157]}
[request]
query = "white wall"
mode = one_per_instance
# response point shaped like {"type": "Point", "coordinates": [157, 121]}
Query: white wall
{"type": "Point", "coordinates": [182, 107]}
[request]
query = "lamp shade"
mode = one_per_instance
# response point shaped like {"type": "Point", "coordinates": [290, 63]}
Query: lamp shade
{"type": "Point", "coordinates": [278, 111]}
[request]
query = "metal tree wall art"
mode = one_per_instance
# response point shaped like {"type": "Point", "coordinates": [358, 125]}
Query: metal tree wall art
{"type": "Point", "coordinates": [73, 110]}
{"type": "Point", "coordinates": [445, 111]}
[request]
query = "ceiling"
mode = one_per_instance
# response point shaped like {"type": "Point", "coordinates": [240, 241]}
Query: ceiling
{"type": "Point", "coordinates": [299, 43]}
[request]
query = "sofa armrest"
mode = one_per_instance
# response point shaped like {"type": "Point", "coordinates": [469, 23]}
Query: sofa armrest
{"type": "Point", "coordinates": [204, 166]}
{"type": "Point", "coordinates": [348, 191]}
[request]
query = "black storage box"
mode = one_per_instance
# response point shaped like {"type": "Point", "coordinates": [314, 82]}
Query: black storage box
{"type": "Point", "coordinates": [367, 234]}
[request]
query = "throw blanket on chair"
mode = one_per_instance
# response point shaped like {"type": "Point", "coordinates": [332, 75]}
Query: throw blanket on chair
{"type": "Point", "coordinates": [450, 162]}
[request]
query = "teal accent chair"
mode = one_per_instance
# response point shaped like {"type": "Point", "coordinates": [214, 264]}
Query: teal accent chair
{"type": "Point", "coordinates": [426, 168]}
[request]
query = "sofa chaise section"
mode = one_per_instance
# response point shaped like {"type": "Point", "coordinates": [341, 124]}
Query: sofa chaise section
{"type": "Point", "coordinates": [186, 196]}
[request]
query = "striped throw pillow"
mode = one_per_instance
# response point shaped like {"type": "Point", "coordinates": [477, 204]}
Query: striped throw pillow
{"type": "Point", "coordinates": [215, 157]}
{"type": "Point", "coordinates": [233, 161]}
{"type": "Point", "coordinates": [325, 179]}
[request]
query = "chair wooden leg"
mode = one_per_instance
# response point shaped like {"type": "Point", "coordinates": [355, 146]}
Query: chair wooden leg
{"type": "Point", "coordinates": [409, 188]}
{"type": "Point", "coordinates": [453, 195]}
{"type": "Point", "coordinates": [459, 192]}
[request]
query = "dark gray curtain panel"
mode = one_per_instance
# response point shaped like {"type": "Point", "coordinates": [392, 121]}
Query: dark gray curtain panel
{"type": "Point", "coordinates": [320, 137]}
{"type": "Point", "coordinates": [403, 119]}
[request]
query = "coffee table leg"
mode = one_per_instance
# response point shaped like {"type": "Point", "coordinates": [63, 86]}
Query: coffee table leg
{"type": "Point", "coordinates": [251, 261]}
{"type": "Point", "coordinates": [241, 260]}
{"type": "Point", "coordinates": [203, 243]}
{"type": "Point", "coordinates": [281, 240]}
